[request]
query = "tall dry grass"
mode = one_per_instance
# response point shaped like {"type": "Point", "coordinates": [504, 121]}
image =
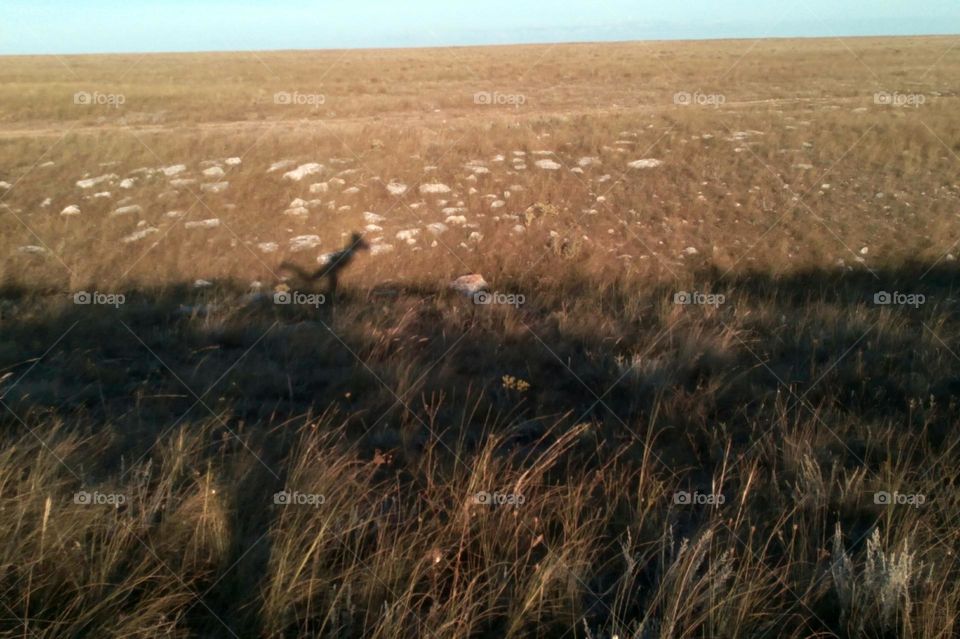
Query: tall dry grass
{"type": "Point", "coordinates": [597, 461]}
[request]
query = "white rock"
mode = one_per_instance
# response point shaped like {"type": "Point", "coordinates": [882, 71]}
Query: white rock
{"type": "Point", "coordinates": [47, 201]}
{"type": "Point", "coordinates": [128, 210]}
{"type": "Point", "coordinates": [210, 223]}
{"type": "Point", "coordinates": [458, 220]}
{"type": "Point", "coordinates": [127, 183]}
{"type": "Point", "coordinates": [103, 194]}
{"type": "Point", "coordinates": [302, 171]}
{"type": "Point", "coordinates": [407, 234]}
{"type": "Point", "coordinates": [377, 249]}
{"type": "Point", "coordinates": [214, 187]}
{"type": "Point", "coordinates": [396, 188]}
{"type": "Point", "coordinates": [496, 204]}
{"type": "Point", "coordinates": [437, 228]}
{"type": "Point", "coordinates": [646, 163]}
{"type": "Point", "coordinates": [7, 186]}
{"type": "Point", "coordinates": [297, 211]}
{"type": "Point", "coordinates": [175, 169]}
{"type": "Point", "coordinates": [304, 242]}
{"type": "Point", "coordinates": [470, 284]}
{"type": "Point", "coordinates": [232, 161]}
{"type": "Point", "coordinates": [214, 172]}
{"type": "Point", "coordinates": [202, 284]}
{"type": "Point", "coordinates": [73, 209]}
{"type": "Point", "coordinates": [180, 182]}
{"type": "Point", "coordinates": [280, 164]}
{"type": "Point", "coordinates": [372, 228]}
{"type": "Point", "coordinates": [174, 214]}
{"type": "Point", "coordinates": [90, 182]}
{"type": "Point", "coordinates": [690, 250]}
{"type": "Point", "coordinates": [434, 187]}
{"type": "Point", "coordinates": [268, 247]}
{"type": "Point", "coordinates": [588, 161]}
{"type": "Point", "coordinates": [319, 187]}
{"type": "Point", "coordinates": [547, 164]}
{"type": "Point", "coordinates": [373, 218]}
{"type": "Point", "coordinates": [139, 235]}
{"type": "Point", "coordinates": [351, 191]}
{"type": "Point", "coordinates": [32, 249]}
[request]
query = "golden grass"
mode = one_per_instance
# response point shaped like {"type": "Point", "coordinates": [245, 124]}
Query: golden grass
{"type": "Point", "coordinates": [403, 462]}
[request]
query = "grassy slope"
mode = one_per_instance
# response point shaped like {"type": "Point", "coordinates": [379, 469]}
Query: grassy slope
{"type": "Point", "coordinates": [797, 399]}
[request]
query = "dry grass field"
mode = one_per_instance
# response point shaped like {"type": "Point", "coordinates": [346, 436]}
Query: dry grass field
{"type": "Point", "coordinates": [710, 391]}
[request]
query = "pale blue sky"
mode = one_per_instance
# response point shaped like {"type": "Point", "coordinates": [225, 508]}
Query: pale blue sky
{"type": "Point", "coordinates": [88, 26]}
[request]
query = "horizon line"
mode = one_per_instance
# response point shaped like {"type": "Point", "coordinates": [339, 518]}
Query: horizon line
{"type": "Point", "coordinates": [538, 43]}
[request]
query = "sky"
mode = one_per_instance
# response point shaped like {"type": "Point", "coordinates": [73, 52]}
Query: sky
{"type": "Point", "coordinates": [99, 26]}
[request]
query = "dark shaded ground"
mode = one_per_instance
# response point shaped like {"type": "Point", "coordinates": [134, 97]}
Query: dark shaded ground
{"type": "Point", "coordinates": [404, 365]}
{"type": "Point", "coordinates": [171, 355]}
